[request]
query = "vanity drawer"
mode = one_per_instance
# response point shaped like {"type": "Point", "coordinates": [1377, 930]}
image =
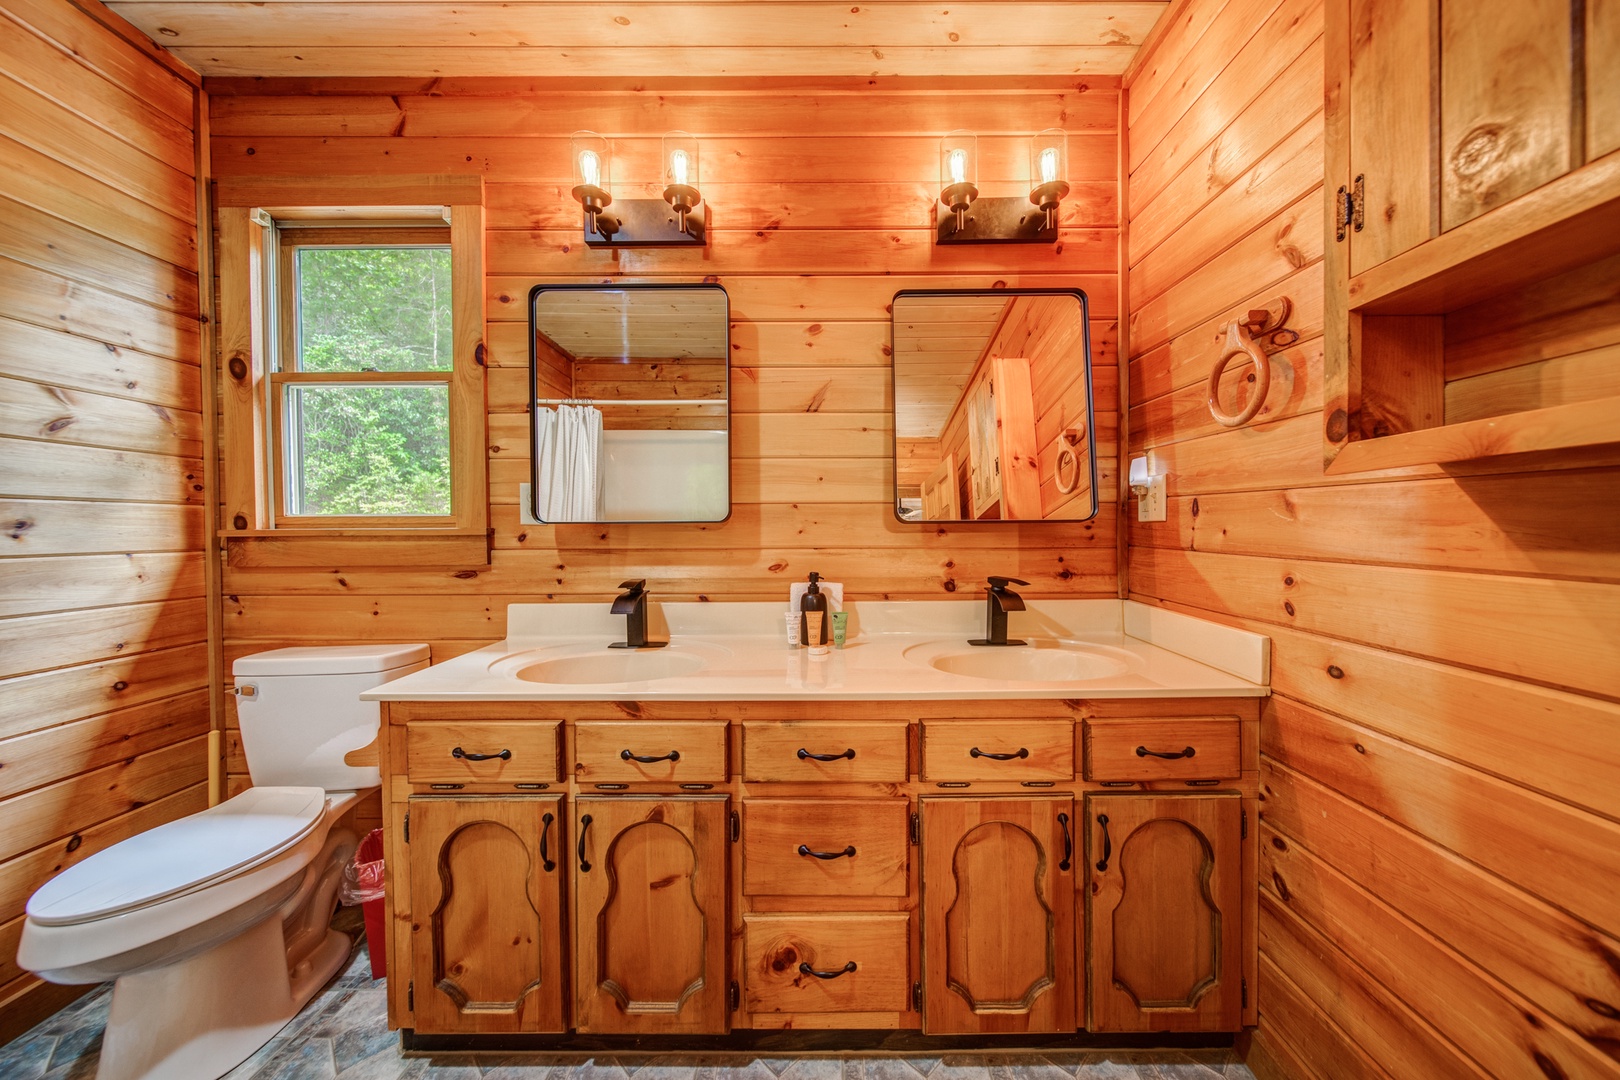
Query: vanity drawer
{"type": "Point", "coordinates": [980, 749]}
{"type": "Point", "coordinates": [791, 750]}
{"type": "Point", "coordinates": [1184, 748]}
{"type": "Point", "coordinates": [683, 752]}
{"type": "Point", "coordinates": [866, 842]}
{"type": "Point", "coordinates": [877, 944]}
{"type": "Point", "coordinates": [467, 752]}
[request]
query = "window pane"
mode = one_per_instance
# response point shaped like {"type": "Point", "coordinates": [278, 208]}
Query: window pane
{"type": "Point", "coordinates": [368, 449]}
{"type": "Point", "coordinates": [373, 309]}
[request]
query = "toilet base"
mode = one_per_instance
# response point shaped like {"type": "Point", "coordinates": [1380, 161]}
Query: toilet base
{"type": "Point", "coordinates": [200, 1018]}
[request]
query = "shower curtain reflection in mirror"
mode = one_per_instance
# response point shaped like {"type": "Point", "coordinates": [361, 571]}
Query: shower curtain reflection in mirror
{"type": "Point", "coordinates": [568, 463]}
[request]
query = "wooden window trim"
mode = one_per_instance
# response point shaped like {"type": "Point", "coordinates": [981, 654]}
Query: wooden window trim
{"type": "Point", "coordinates": [247, 468]}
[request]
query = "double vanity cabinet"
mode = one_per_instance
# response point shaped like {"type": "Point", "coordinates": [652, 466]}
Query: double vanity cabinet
{"type": "Point", "coordinates": [695, 867]}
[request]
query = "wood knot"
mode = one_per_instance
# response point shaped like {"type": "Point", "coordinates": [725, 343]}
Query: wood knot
{"type": "Point", "coordinates": [1338, 426]}
{"type": "Point", "coordinates": [1335, 671]}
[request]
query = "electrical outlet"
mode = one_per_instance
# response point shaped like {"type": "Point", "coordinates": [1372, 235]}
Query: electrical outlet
{"type": "Point", "coordinates": [526, 507]}
{"type": "Point", "coordinates": [1150, 501]}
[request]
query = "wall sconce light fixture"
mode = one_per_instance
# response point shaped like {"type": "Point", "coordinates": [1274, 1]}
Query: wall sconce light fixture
{"type": "Point", "coordinates": [963, 217]}
{"type": "Point", "coordinates": [679, 219]}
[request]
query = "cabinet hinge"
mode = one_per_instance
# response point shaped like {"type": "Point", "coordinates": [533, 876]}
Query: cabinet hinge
{"type": "Point", "coordinates": [916, 997]}
{"type": "Point", "coordinates": [1243, 992]}
{"type": "Point", "coordinates": [736, 996]}
{"type": "Point", "coordinates": [736, 826]}
{"type": "Point", "coordinates": [410, 996]}
{"type": "Point", "coordinates": [1350, 209]}
{"type": "Point", "coordinates": [1243, 824]}
{"type": "Point", "coordinates": [407, 826]}
{"type": "Point", "coordinates": [916, 829]}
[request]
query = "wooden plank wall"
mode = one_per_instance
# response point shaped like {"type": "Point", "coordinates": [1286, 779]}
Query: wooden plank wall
{"type": "Point", "coordinates": [103, 624]}
{"type": "Point", "coordinates": [821, 203]}
{"type": "Point", "coordinates": [1440, 878]}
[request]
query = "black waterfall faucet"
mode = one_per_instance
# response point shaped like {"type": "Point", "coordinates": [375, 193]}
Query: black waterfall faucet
{"type": "Point", "coordinates": [633, 604]}
{"type": "Point", "coordinates": [998, 601]}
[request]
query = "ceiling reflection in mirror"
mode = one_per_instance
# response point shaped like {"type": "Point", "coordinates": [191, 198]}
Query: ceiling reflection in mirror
{"type": "Point", "coordinates": [631, 403]}
{"type": "Point", "coordinates": [992, 406]}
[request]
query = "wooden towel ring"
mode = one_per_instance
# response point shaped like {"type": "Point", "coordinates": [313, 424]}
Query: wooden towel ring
{"type": "Point", "coordinates": [1067, 462]}
{"type": "Point", "coordinates": [1239, 343]}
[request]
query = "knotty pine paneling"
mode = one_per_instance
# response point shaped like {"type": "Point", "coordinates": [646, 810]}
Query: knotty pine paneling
{"type": "Point", "coordinates": [821, 211]}
{"type": "Point", "coordinates": [1438, 759]}
{"type": "Point", "coordinates": [104, 705]}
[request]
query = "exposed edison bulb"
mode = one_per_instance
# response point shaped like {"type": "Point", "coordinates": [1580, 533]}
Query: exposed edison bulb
{"type": "Point", "coordinates": [1049, 164]}
{"type": "Point", "coordinates": [958, 165]}
{"type": "Point", "coordinates": [678, 166]}
{"type": "Point", "coordinates": [590, 168]}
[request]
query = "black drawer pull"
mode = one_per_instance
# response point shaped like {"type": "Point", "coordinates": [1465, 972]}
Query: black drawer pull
{"type": "Point", "coordinates": [546, 860]}
{"type": "Point", "coordinates": [1022, 752]}
{"type": "Point", "coordinates": [458, 752]}
{"type": "Point", "coordinates": [584, 823]}
{"type": "Point", "coordinates": [806, 969]}
{"type": "Point", "coordinates": [847, 853]}
{"type": "Point", "coordinates": [1142, 751]}
{"type": "Point", "coordinates": [1108, 847]}
{"type": "Point", "coordinates": [1068, 842]}
{"type": "Point", "coordinates": [625, 755]}
{"type": "Point", "coordinates": [804, 754]}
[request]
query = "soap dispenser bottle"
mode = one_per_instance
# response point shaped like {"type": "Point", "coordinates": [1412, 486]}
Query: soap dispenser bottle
{"type": "Point", "coordinates": [813, 614]}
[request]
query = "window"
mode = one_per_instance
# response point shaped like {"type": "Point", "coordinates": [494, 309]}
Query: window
{"type": "Point", "coordinates": [360, 400]}
{"type": "Point", "coordinates": [351, 342]}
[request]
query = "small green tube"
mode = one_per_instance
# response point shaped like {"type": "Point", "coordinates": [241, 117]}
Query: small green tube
{"type": "Point", "coordinates": [840, 625]}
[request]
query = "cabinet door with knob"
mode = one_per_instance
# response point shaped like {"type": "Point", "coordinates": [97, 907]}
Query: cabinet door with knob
{"type": "Point", "coordinates": [1164, 907]}
{"type": "Point", "coordinates": [487, 933]}
{"type": "Point", "coordinates": [998, 914]}
{"type": "Point", "coordinates": [650, 914]}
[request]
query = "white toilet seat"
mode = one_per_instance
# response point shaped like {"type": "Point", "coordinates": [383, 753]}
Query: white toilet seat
{"type": "Point", "coordinates": [181, 856]}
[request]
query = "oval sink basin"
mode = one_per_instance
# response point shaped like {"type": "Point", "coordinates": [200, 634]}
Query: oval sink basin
{"type": "Point", "coordinates": [616, 666]}
{"type": "Point", "coordinates": [1036, 662]}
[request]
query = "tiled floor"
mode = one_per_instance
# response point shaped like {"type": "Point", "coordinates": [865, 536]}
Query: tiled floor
{"type": "Point", "coordinates": [343, 1035]}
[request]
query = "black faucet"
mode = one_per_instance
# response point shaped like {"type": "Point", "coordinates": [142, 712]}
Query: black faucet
{"type": "Point", "coordinates": [998, 601]}
{"type": "Point", "coordinates": [633, 603]}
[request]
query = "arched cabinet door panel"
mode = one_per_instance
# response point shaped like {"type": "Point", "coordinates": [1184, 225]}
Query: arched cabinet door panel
{"type": "Point", "coordinates": [1164, 911]}
{"type": "Point", "coordinates": [487, 934]}
{"type": "Point", "coordinates": [650, 914]}
{"type": "Point", "coordinates": [998, 915]}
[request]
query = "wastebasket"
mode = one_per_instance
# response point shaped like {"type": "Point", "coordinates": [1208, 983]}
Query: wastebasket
{"type": "Point", "coordinates": [363, 885]}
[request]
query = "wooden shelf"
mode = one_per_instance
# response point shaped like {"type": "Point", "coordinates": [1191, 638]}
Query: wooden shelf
{"type": "Point", "coordinates": [1557, 427]}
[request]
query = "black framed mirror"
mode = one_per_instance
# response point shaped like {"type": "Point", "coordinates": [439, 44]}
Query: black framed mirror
{"type": "Point", "coordinates": [631, 402]}
{"type": "Point", "coordinates": [992, 405]}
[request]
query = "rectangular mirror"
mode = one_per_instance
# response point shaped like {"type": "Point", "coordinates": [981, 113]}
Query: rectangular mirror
{"type": "Point", "coordinates": [992, 406]}
{"type": "Point", "coordinates": [632, 402]}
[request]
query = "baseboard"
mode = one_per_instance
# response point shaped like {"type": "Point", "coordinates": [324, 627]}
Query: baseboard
{"type": "Point", "coordinates": [777, 1040]}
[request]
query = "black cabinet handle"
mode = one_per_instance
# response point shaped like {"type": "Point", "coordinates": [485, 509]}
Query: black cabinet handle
{"type": "Point", "coordinates": [625, 755]}
{"type": "Point", "coordinates": [1068, 842]}
{"type": "Point", "coordinates": [1108, 847]}
{"type": "Point", "coordinates": [804, 754]}
{"type": "Point", "coordinates": [546, 860]}
{"type": "Point", "coordinates": [847, 853]}
{"type": "Point", "coordinates": [458, 752]}
{"type": "Point", "coordinates": [1142, 751]}
{"type": "Point", "coordinates": [806, 969]}
{"type": "Point", "coordinates": [1022, 752]}
{"type": "Point", "coordinates": [584, 823]}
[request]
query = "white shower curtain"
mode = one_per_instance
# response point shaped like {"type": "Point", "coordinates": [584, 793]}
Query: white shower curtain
{"type": "Point", "coordinates": [568, 474]}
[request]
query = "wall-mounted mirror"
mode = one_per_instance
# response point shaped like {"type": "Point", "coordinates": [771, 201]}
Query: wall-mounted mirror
{"type": "Point", "coordinates": [992, 406]}
{"type": "Point", "coordinates": [632, 402]}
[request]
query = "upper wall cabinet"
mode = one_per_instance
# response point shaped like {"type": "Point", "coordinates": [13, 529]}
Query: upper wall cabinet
{"type": "Point", "coordinates": [1474, 228]}
{"type": "Point", "coordinates": [992, 406]}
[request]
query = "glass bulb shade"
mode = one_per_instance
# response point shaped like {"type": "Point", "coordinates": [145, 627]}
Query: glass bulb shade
{"type": "Point", "coordinates": [1049, 157]}
{"type": "Point", "coordinates": [593, 159]}
{"type": "Point", "coordinates": [681, 159]}
{"type": "Point", "coordinates": [958, 159]}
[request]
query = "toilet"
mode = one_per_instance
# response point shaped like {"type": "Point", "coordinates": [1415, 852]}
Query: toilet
{"type": "Point", "coordinates": [216, 926]}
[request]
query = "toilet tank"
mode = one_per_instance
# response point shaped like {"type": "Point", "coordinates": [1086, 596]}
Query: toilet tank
{"type": "Point", "coordinates": [300, 711]}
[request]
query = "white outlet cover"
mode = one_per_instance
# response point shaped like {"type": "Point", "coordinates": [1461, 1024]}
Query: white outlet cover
{"type": "Point", "coordinates": [526, 507]}
{"type": "Point", "coordinates": [1150, 505]}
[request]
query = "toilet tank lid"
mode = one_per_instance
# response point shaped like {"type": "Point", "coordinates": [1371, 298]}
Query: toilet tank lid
{"type": "Point", "coordinates": [330, 660]}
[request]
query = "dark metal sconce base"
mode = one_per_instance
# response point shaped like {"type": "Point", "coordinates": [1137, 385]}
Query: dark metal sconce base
{"type": "Point", "coordinates": [1013, 220]}
{"type": "Point", "coordinates": [650, 223]}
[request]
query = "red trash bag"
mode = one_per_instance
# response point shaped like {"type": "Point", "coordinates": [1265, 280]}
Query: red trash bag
{"type": "Point", "coordinates": [363, 885]}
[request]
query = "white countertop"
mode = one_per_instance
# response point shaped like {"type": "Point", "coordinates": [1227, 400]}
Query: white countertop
{"type": "Point", "coordinates": [1128, 650]}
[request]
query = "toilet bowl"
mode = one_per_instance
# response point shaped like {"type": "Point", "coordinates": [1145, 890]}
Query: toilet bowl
{"type": "Point", "coordinates": [215, 926]}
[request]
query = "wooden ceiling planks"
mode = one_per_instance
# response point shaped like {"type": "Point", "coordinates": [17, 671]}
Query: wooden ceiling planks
{"type": "Point", "coordinates": [636, 38]}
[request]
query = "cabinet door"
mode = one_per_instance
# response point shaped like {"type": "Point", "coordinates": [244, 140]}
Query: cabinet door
{"type": "Point", "coordinates": [486, 932]}
{"type": "Point", "coordinates": [650, 914]}
{"type": "Point", "coordinates": [998, 915]}
{"type": "Point", "coordinates": [1165, 912]}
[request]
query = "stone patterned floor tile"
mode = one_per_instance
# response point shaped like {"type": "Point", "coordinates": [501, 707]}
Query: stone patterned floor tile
{"type": "Point", "coordinates": [899, 1068]}
{"type": "Point", "coordinates": [300, 1059]}
{"type": "Point", "coordinates": [29, 1056]}
{"type": "Point", "coordinates": [259, 1058]}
